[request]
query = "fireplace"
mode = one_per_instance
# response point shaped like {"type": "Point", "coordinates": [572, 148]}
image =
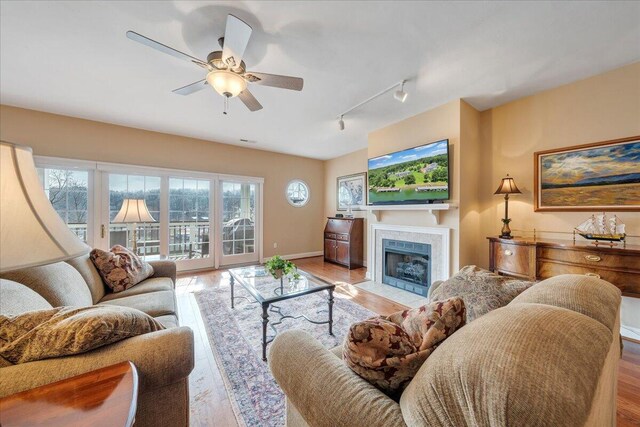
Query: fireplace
{"type": "Point", "coordinates": [406, 265]}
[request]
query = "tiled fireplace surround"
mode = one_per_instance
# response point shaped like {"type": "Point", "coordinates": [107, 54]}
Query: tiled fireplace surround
{"type": "Point", "coordinates": [437, 237]}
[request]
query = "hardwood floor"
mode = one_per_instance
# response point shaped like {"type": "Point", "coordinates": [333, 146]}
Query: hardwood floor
{"type": "Point", "coordinates": [210, 404]}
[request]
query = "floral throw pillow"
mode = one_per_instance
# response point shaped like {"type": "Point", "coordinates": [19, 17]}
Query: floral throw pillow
{"type": "Point", "coordinates": [120, 268]}
{"type": "Point", "coordinates": [481, 290]}
{"type": "Point", "coordinates": [63, 331]}
{"type": "Point", "coordinates": [388, 351]}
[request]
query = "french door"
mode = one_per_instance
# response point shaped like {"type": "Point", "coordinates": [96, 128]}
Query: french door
{"type": "Point", "coordinates": [238, 223]}
{"type": "Point", "coordinates": [201, 220]}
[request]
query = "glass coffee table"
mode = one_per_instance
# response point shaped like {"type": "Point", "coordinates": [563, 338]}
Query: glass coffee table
{"type": "Point", "coordinates": [267, 290]}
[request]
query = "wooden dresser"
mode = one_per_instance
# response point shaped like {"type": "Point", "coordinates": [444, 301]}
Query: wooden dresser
{"type": "Point", "coordinates": [343, 241]}
{"type": "Point", "coordinates": [541, 259]}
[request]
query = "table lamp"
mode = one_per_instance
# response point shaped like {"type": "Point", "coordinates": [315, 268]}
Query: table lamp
{"type": "Point", "coordinates": [507, 186]}
{"type": "Point", "coordinates": [31, 231]}
{"type": "Point", "coordinates": [133, 211]}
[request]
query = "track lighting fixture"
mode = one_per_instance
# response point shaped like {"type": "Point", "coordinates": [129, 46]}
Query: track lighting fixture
{"type": "Point", "coordinates": [400, 95]}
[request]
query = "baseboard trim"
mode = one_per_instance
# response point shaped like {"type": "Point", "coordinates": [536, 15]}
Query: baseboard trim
{"type": "Point", "coordinates": [298, 256]}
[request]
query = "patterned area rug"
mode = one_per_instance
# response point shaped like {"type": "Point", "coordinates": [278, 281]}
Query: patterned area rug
{"type": "Point", "coordinates": [235, 336]}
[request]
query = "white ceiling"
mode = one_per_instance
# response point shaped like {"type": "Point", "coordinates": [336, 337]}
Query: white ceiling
{"type": "Point", "coordinates": [73, 58]}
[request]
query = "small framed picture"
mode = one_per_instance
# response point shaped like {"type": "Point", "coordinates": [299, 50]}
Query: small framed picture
{"type": "Point", "coordinates": [592, 177]}
{"type": "Point", "coordinates": [351, 192]}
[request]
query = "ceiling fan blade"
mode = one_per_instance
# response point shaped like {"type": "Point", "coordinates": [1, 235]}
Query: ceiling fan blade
{"type": "Point", "coordinates": [164, 48]}
{"type": "Point", "coordinates": [193, 87]}
{"type": "Point", "coordinates": [274, 80]}
{"type": "Point", "coordinates": [249, 100]}
{"type": "Point", "coordinates": [236, 38]}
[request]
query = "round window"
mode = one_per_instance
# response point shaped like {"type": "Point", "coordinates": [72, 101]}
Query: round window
{"type": "Point", "coordinates": [297, 193]}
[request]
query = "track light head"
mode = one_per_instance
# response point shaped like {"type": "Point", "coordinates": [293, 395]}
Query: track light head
{"type": "Point", "coordinates": [401, 95]}
{"type": "Point", "coordinates": [341, 123]}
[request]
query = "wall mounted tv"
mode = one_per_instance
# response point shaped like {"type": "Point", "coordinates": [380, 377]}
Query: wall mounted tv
{"type": "Point", "coordinates": [413, 176]}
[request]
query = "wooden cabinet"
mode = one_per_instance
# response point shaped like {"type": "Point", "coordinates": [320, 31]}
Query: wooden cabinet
{"type": "Point", "coordinates": [343, 241]}
{"type": "Point", "coordinates": [541, 259]}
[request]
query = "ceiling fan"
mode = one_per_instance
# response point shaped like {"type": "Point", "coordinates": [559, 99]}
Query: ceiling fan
{"type": "Point", "coordinates": [226, 71]}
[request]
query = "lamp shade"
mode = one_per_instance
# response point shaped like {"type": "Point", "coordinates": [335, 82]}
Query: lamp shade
{"type": "Point", "coordinates": [133, 210]}
{"type": "Point", "coordinates": [31, 231]}
{"type": "Point", "coordinates": [226, 83]}
{"type": "Point", "coordinates": [507, 186]}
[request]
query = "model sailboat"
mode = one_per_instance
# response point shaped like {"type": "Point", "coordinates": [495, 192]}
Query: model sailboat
{"type": "Point", "coordinates": [601, 227]}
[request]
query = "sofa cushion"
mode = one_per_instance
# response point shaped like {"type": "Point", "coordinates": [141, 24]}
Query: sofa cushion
{"type": "Point", "coordinates": [168, 321]}
{"type": "Point", "coordinates": [16, 299]}
{"type": "Point", "coordinates": [153, 303]}
{"type": "Point", "coordinates": [90, 274]}
{"type": "Point", "coordinates": [63, 331]}
{"type": "Point", "coordinates": [150, 285]}
{"type": "Point", "coordinates": [481, 290]}
{"type": "Point", "coordinates": [590, 296]}
{"type": "Point", "coordinates": [58, 283]}
{"type": "Point", "coordinates": [388, 351]}
{"type": "Point", "coordinates": [120, 268]}
{"type": "Point", "coordinates": [523, 364]}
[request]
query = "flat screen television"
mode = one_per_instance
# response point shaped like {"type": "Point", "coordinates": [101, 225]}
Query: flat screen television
{"type": "Point", "coordinates": [413, 176]}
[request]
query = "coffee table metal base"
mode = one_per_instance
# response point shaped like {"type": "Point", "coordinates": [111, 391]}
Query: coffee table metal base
{"type": "Point", "coordinates": [265, 317]}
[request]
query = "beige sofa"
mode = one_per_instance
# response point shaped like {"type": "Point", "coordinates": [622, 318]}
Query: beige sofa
{"type": "Point", "coordinates": [549, 357]}
{"type": "Point", "coordinates": [164, 358]}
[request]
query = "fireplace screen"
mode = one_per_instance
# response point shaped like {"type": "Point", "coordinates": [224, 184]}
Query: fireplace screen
{"type": "Point", "coordinates": [407, 265]}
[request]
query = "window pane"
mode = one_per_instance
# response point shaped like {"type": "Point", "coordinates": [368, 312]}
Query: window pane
{"type": "Point", "coordinates": [147, 236]}
{"type": "Point", "coordinates": [68, 192]}
{"type": "Point", "coordinates": [238, 204]}
{"type": "Point", "coordinates": [188, 218]}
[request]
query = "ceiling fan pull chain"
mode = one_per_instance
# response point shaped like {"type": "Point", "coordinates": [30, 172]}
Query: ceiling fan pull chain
{"type": "Point", "coordinates": [226, 105]}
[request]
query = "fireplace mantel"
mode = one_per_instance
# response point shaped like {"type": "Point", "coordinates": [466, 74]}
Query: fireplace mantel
{"type": "Point", "coordinates": [432, 209]}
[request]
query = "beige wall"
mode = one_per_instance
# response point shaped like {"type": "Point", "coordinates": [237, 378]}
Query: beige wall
{"type": "Point", "coordinates": [349, 164]}
{"type": "Point", "coordinates": [600, 108]}
{"type": "Point", "coordinates": [295, 230]}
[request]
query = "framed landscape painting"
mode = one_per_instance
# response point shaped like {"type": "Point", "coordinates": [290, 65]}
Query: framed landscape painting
{"type": "Point", "coordinates": [603, 176]}
{"type": "Point", "coordinates": [351, 191]}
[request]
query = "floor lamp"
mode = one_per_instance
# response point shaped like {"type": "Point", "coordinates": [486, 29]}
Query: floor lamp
{"type": "Point", "coordinates": [133, 211]}
{"type": "Point", "coordinates": [31, 231]}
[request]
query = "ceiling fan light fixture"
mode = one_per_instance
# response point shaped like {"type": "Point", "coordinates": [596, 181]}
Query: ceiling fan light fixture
{"type": "Point", "coordinates": [226, 83]}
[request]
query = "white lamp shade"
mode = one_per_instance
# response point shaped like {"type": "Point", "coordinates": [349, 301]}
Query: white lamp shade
{"type": "Point", "coordinates": [31, 231]}
{"type": "Point", "coordinates": [132, 211]}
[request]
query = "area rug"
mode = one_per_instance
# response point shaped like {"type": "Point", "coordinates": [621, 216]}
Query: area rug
{"type": "Point", "coordinates": [235, 336]}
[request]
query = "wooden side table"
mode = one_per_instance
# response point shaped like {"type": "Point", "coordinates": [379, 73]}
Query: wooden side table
{"type": "Point", "coordinates": [104, 397]}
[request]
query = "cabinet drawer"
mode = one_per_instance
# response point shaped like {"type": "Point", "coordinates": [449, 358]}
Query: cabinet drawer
{"type": "Point", "coordinates": [627, 282]}
{"type": "Point", "coordinates": [343, 237]}
{"type": "Point", "coordinates": [329, 236]}
{"type": "Point", "coordinates": [596, 259]}
{"type": "Point", "coordinates": [513, 259]}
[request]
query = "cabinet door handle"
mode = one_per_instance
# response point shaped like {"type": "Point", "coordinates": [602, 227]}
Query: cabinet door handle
{"type": "Point", "coordinates": [597, 276]}
{"type": "Point", "coordinates": [594, 258]}
{"type": "Point", "coordinates": [508, 252]}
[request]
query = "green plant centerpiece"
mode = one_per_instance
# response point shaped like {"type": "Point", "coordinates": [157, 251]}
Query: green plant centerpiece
{"type": "Point", "coordinates": [279, 267]}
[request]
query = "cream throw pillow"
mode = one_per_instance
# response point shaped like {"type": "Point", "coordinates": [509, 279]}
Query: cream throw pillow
{"type": "Point", "coordinates": [63, 331]}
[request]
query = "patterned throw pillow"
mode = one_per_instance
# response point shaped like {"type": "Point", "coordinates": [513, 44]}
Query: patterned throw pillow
{"type": "Point", "coordinates": [120, 268]}
{"type": "Point", "coordinates": [63, 331]}
{"type": "Point", "coordinates": [481, 290]}
{"type": "Point", "coordinates": [388, 351]}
